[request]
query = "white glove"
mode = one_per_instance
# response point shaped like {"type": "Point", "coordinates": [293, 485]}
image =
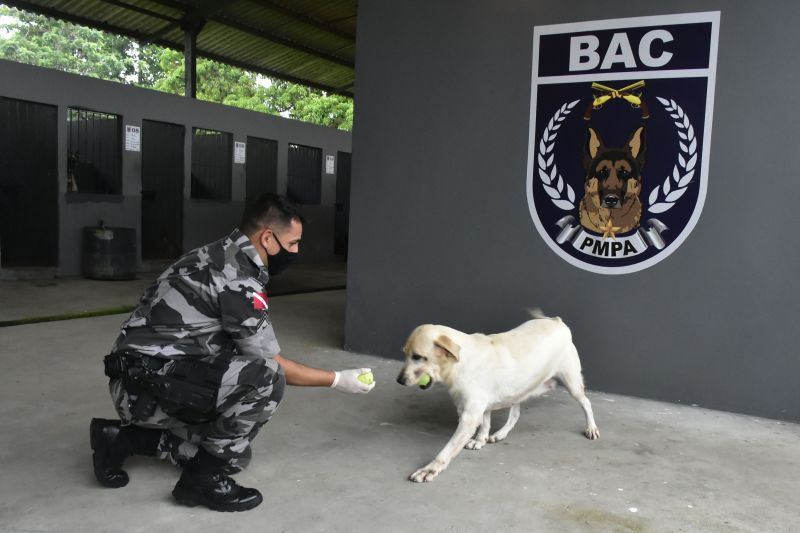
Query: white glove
{"type": "Point", "coordinates": [347, 381]}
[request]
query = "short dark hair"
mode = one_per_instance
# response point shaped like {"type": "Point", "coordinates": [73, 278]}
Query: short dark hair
{"type": "Point", "coordinates": [269, 210]}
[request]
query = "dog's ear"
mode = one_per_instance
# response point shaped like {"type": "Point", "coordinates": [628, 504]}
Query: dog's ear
{"type": "Point", "coordinates": [637, 145]}
{"type": "Point", "coordinates": [591, 147]}
{"type": "Point", "coordinates": [407, 346]}
{"type": "Point", "coordinates": [451, 349]}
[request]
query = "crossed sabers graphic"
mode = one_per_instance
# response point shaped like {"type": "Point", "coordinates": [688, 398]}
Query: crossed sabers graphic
{"type": "Point", "coordinates": [624, 93]}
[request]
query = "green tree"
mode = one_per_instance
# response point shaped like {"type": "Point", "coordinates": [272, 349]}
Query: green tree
{"type": "Point", "coordinates": [148, 65]}
{"type": "Point", "coordinates": [216, 82]}
{"type": "Point", "coordinates": [310, 105]}
{"type": "Point", "coordinates": [38, 40]}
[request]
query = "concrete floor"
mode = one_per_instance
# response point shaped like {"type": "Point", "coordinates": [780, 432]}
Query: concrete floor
{"type": "Point", "coordinates": [338, 463]}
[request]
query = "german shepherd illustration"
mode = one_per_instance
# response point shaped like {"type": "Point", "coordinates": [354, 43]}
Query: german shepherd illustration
{"type": "Point", "coordinates": [613, 183]}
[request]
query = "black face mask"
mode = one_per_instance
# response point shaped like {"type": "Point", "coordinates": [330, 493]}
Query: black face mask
{"type": "Point", "coordinates": [277, 263]}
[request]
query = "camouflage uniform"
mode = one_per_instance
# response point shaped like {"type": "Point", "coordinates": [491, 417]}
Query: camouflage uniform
{"type": "Point", "coordinates": [211, 304]}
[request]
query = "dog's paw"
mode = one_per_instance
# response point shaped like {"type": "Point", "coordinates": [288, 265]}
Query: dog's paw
{"type": "Point", "coordinates": [425, 474]}
{"type": "Point", "coordinates": [475, 444]}
{"type": "Point", "coordinates": [592, 433]}
{"type": "Point", "coordinates": [497, 437]}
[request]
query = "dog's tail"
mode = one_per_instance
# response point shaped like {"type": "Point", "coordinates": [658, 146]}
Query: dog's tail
{"type": "Point", "coordinates": [537, 313]}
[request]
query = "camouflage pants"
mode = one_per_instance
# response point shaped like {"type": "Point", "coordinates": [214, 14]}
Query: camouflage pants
{"type": "Point", "coordinates": [248, 395]}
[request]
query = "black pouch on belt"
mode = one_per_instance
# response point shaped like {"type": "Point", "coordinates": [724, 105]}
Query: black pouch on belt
{"type": "Point", "coordinates": [115, 365]}
{"type": "Point", "coordinates": [188, 391]}
{"type": "Point", "coordinates": [134, 371]}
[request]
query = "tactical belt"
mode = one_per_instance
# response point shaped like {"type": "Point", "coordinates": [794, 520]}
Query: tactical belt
{"type": "Point", "coordinates": [187, 390]}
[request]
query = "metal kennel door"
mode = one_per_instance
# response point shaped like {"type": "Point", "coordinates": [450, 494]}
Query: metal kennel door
{"type": "Point", "coordinates": [162, 189]}
{"type": "Point", "coordinates": [28, 184]}
{"type": "Point", "coordinates": [261, 173]}
{"type": "Point", "coordinates": [304, 174]}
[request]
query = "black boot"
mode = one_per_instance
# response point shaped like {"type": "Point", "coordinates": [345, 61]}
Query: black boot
{"type": "Point", "coordinates": [112, 444]}
{"type": "Point", "coordinates": [204, 482]}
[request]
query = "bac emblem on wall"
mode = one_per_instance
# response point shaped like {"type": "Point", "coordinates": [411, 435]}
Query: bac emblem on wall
{"type": "Point", "coordinates": [620, 130]}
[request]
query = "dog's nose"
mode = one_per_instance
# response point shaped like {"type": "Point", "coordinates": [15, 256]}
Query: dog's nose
{"type": "Point", "coordinates": [611, 200]}
{"type": "Point", "coordinates": [401, 379]}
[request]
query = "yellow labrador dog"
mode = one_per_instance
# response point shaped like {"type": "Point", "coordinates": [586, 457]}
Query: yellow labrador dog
{"type": "Point", "coordinates": [488, 372]}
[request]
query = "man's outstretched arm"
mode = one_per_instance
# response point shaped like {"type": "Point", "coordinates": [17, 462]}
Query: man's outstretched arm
{"type": "Point", "coordinates": [306, 376]}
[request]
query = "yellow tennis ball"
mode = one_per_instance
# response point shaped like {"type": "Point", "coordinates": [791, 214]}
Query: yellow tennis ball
{"type": "Point", "coordinates": [424, 380]}
{"type": "Point", "coordinates": [367, 378]}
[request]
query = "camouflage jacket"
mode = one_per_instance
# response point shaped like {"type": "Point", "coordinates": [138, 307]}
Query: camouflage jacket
{"type": "Point", "coordinates": [210, 301]}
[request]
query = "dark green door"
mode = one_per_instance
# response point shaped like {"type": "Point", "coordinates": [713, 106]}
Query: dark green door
{"type": "Point", "coordinates": [162, 190]}
{"type": "Point", "coordinates": [28, 184]}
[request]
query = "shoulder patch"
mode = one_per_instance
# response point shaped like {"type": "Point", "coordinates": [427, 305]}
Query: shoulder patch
{"type": "Point", "coordinates": [260, 301]}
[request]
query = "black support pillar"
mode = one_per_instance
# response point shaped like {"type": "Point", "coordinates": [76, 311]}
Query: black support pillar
{"type": "Point", "coordinates": [191, 28]}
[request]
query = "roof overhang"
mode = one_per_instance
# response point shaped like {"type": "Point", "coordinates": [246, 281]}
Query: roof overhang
{"type": "Point", "coordinates": [304, 41]}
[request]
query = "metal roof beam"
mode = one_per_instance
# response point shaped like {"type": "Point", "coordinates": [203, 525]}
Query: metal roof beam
{"type": "Point", "coordinates": [305, 19]}
{"type": "Point", "coordinates": [75, 19]}
{"type": "Point", "coordinates": [137, 9]}
{"type": "Point", "coordinates": [280, 40]}
{"type": "Point", "coordinates": [160, 33]}
{"type": "Point", "coordinates": [344, 89]}
{"type": "Point", "coordinates": [83, 21]}
{"type": "Point", "coordinates": [269, 36]}
{"type": "Point", "coordinates": [191, 19]}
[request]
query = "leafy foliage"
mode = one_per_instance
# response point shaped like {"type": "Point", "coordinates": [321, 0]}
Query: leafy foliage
{"type": "Point", "coordinates": [41, 41]}
{"type": "Point", "coordinates": [36, 40]}
{"type": "Point", "coordinates": [310, 105]}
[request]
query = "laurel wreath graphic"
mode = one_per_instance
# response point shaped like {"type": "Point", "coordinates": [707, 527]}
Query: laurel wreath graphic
{"type": "Point", "coordinates": [683, 171]}
{"type": "Point", "coordinates": [552, 181]}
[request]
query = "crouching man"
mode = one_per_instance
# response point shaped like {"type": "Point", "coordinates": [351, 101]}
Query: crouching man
{"type": "Point", "coordinates": [196, 370]}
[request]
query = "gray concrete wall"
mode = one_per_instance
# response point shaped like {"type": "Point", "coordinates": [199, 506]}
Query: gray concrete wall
{"type": "Point", "coordinates": [441, 231]}
{"type": "Point", "coordinates": [208, 217]}
{"type": "Point", "coordinates": [203, 220]}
